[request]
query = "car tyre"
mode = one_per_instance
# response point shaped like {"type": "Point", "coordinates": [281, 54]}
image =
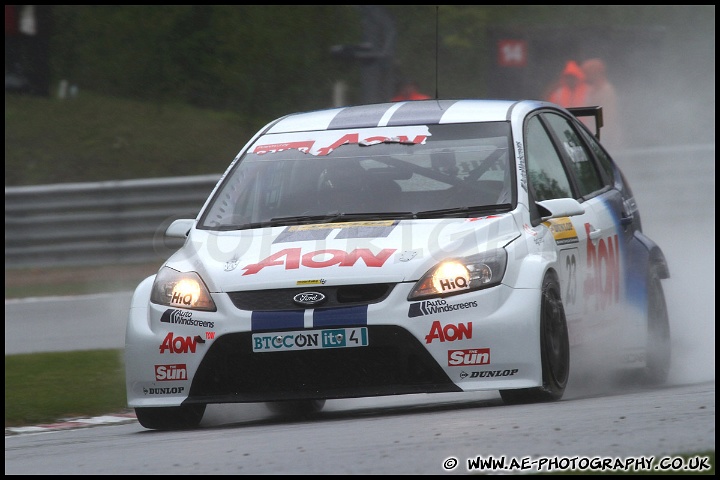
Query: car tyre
{"type": "Point", "coordinates": [170, 418]}
{"type": "Point", "coordinates": [294, 408]}
{"type": "Point", "coordinates": [659, 351]}
{"type": "Point", "coordinates": [554, 350]}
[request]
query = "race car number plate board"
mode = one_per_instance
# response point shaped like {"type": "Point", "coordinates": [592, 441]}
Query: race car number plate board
{"type": "Point", "coordinates": [310, 339]}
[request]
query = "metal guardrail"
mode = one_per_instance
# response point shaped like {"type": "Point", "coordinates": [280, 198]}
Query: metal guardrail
{"type": "Point", "coordinates": [102, 223]}
{"type": "Point", "coordinates": [121, 222]}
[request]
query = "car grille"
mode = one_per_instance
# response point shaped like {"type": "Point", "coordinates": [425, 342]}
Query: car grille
{"type": "Point", "coordinates": [393, 363]}
{"type": "Point", "coordinates": [336, 296]}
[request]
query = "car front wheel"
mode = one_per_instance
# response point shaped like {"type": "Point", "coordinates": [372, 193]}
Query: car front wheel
{"type": "Point", "coordinates": [554, 350]}
{"type": "Point", "coordinates": [170, 418]}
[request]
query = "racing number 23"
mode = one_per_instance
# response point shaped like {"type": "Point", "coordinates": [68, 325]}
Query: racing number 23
{"type": "Point", "coordinates": [571, 272]}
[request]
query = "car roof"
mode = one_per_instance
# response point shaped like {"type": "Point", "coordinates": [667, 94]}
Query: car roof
{"type": "Point", "coordinates": [416, 112]}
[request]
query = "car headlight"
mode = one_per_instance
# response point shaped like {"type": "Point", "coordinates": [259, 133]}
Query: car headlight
{"type": "Point", "coordinates": [460, 275]}
{"type": "Point", "coordinates": [182, 290]}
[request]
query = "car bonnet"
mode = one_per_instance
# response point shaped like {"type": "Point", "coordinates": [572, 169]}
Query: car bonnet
{"type": "Point", "coordinates": [336, 253]}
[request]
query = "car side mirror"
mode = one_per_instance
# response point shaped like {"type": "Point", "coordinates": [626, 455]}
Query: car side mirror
{"type": "Point", "coordinates": [559, 207]}
{"type": "Point", "coordinates": [179, 228]}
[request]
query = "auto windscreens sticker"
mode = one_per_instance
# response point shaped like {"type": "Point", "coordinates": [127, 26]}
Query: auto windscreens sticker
{"type": "Point", "coordinates": [324, 142]}
{"type": "Point", "coordinates": [299, 233]}
{"type": "Point", "coordinates": [184, 317]}
{"type": "Point", "coordinates": [563, 230]}
{"type": "Point", "coordinates": [432, 307]}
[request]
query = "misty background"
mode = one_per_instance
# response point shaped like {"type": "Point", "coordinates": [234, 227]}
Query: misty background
{"type": "Point", "coordinates": [261, 62]}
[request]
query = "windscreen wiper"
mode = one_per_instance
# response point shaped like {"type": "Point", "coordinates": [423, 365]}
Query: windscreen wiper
{"type": "Point", "coordinates": [371, 216]}
{"type": "Point", "coordinates": [308, 219]}
{"type": "Point", "coordinates": [340, 217]}
{"type": "Point", "coordinates": [401, 141]}
{"type": "Point", "coordinates": [465, 211]}
{"type": "Point", "coordinates": [274, 222]}
{"type": "Point", "coordinates": [349, 217]}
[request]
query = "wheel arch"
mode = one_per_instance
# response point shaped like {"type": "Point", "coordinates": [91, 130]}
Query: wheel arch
{"type": "Point", "coordinates": [533, 270]}
{"type": "Point", "coordinates": [656, 257]}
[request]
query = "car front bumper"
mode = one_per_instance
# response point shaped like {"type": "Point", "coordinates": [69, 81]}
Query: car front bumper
{"type": "Point", "coordinates": [482, 340]}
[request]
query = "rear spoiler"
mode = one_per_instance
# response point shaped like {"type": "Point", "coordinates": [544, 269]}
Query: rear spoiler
{"type": "Point", "coordinates": [590, 112]}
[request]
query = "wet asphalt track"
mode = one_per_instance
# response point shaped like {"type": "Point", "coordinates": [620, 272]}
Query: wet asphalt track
{"type": "Point", "coordinates": [419, 434]}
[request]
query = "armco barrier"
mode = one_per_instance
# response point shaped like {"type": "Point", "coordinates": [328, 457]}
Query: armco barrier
{"type": "Point", "coordinates": [123, 221]}
{"type": "Point", "coordinates": [103, 223]}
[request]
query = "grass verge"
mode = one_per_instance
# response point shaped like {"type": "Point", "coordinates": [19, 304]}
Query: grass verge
{"type": "Point", "coordinates": [97, 138]}
{"type": "Point", "coordinates": [46, 387]}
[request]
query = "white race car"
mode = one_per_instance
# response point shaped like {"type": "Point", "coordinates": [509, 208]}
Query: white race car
{"type": "Point", "coordinates": [399, 248]}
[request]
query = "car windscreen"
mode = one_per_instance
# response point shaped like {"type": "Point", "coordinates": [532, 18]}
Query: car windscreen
{"type": "Point", "coordinates": [365, 174]}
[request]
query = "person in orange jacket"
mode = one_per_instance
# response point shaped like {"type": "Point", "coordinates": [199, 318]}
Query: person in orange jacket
{"type": "Point", "coordinates": [572, 89]}
{"type": "Point", "coordinates": [408, 90]}
{"type": "Point", "coordinates": [602, 93]}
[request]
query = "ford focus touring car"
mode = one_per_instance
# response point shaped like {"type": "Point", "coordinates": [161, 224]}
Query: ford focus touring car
{"type": "Point", "coordinates": [412, 247]}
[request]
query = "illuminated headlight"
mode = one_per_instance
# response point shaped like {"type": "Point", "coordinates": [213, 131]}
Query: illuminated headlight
{"type": "Point", "coordinates": [181, 290]}
{"type": "Point", "coordinates": [461, 275]}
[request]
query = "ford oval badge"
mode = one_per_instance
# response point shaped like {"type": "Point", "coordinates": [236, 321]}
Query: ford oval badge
{"type": "Point", "coordinates": [309, 299]}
